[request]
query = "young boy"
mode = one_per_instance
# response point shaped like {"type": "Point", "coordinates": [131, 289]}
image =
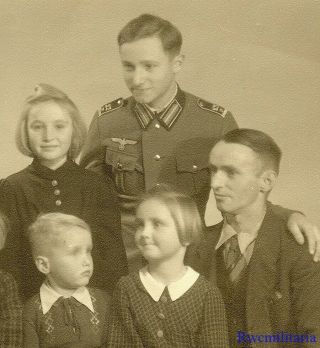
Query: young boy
{"type": "Point", "coordinates": [65, 311]}
{"type": "Point", "coordinates": [10, 304]}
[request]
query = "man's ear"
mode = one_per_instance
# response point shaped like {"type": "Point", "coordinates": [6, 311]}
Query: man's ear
{"type": "Point", "coordinates": [178, 62]}
{"type": "Point", "coordinates": [268, 180]}
{"type": "Point", "coordinates": [43, 265]}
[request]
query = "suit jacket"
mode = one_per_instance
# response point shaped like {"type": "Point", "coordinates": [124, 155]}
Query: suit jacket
{"type": "Point", "coordinates": [283, 288]}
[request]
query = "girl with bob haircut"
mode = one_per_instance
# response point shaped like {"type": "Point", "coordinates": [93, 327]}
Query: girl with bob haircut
{"type": "Point", "coordinates": [167, 303]}
{"type": "Point", "coordinates": [51, 131]}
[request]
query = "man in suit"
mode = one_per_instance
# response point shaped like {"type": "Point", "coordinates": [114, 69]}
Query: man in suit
{"type": "Point", "coordinates": [270, 285]}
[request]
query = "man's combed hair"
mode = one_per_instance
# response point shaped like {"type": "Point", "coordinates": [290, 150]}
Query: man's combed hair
{"type": "Point", "coordinates": [47, 93]}
{"type": "Point", "coordinates": [47, 229]}
{"type": "Point", "coordinates": [258, 141]}
{"type": "Point", "coordinates": [183, 210]}
{"type": "Point", "coordinates": [148, 25]}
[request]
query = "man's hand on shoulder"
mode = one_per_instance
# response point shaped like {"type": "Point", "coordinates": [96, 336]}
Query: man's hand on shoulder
{"type": "Point", "coordinates": [302, 228]}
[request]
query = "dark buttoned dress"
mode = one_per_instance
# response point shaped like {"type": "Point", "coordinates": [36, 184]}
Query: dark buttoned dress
{"type": "Point", "coordinates": [71, 190]}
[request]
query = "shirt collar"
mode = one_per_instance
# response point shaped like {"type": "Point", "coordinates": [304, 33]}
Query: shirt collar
{"type": "Point", "coordinates": [48, 297]}
{"type": "Point", "coordinates": [244, 239]}
{"type": "Point", "coordinates": [176, 289]}
{"type": "Point", "coordinates": [167, 117]}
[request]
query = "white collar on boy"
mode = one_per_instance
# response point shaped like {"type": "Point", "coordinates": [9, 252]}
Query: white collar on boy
{"type": "Point", "coordinates": [49, 296]}
{"type": "Point", "coordinates": [176, 289]}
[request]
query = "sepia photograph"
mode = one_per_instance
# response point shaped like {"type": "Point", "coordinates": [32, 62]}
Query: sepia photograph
{"type": "Point", "coordinates": [160, 173]}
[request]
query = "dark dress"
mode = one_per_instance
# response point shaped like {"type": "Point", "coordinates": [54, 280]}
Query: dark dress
{"type": "Point", "coordinates": [69, 189]}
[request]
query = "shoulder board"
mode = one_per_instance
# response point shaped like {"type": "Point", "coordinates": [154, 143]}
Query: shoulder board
{"type": "Point", "coordinates": [217, 109]}
{"type": "Point", "coordinates": [114, 105]}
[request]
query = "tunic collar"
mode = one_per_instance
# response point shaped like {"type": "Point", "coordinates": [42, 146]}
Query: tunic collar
{"type": "Point", "coordinates": [176, 289]}
{"type": "Point", "coordinates": [49, 297]}
{"type": "Point", "coordinates": [37, 168]}
{"type": "Point", "coordinates": [167, 117]}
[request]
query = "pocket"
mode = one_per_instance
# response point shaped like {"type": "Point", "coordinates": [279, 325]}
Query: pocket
{"type": "Point", "coordinates": [193, 172]}
{"type": "Point", "coordinates": [126, 170]}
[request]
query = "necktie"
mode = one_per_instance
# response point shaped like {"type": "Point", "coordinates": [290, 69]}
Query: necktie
{"type": "Point", "coordinates": [232, 254]}
{"type": "Point", "coordinates": [235, 262]}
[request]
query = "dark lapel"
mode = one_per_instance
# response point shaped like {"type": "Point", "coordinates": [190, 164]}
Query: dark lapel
{"type": "Point", "coordinates": [207, 252]}
{"type": "Point", "coordinates": [263, 274]}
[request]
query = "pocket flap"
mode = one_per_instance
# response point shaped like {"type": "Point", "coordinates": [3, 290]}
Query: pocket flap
{"type": "Point", "coordinates": [121, 160]}
{"type": "Point", "coordinates": [192, 163]}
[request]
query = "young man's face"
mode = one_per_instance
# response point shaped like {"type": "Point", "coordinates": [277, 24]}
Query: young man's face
{"type": "Point", "coordinates": [236, 174]}
{"type": "Point", "coordinates": [149, 71]}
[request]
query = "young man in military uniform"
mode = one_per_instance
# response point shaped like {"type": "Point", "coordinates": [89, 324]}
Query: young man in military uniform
{"type": "Point", "coordinates": [161, 134]}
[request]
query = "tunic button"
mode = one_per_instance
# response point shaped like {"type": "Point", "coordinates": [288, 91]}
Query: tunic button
{"type": "Point", "coordinates": [56, 192]}
{"type": "Point", "coordinates": [157, 125]}
{"type": "Point", "coordinates": [278, 295]}
{"type": "Point", "coordinates": [160, 333]}
{"type": "Point", "coordinates": [157, 157]}
{"type": "Point", "coordinates": [164, 299]}
{"type": "Point", "coordinates": [54, 182]}
{"type": "Point", "coordinates": [161, 315]}
{"type": "Point", "coordinates": [194, 167]}
{"type": "Point", "coordinates": [58, 202]}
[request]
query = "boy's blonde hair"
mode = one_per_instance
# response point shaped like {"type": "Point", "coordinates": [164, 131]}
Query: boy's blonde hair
{"type": "Point", "coordinates": [4, 228]}
{"type": "Point", "coordinates": [183, 210]}
{"type": "Point", "coordinates": [46, 231]}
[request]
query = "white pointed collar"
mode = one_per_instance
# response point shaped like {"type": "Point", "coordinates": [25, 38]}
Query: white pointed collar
{"type": "Point", "coordinates": [48, 297]}
{"type": "Point", "coordinates": [176, 289]}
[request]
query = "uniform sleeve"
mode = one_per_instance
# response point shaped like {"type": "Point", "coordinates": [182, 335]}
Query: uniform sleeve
{"type": "Point", "coordinates": [111, 261]}
{"type": "Point", "coordinates": [305, 285]}
{"type": "Point", "coordinates": [93, 153]}
{"type": "Point", "coordinates": [10, 313]}
{"type": "Point", "coordinates": [213, 329]}
{"type": "Point", "coordinates": [30, 335]}
{"type": "Point", "coordinates": [122, 332]}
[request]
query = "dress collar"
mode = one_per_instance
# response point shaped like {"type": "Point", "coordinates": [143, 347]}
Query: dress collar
{"type": "Point", "coordinates": [37, 168]}
{"type": "Point", "coordinates": [49, 297]}
{"type": "Point", "coordinates": [167, 117]}
{"type": "Point", "coordinates": [176, 289]}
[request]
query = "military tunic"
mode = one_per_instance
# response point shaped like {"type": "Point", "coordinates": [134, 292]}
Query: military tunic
{"type": "Point", "coordinates": [139, 149]}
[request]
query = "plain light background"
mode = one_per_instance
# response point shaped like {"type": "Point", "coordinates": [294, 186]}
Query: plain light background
{"type": "Point", "coordinates": [259, 59]}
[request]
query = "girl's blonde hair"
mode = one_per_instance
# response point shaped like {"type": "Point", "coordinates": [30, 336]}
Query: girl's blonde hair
{"type": "Point", "coordinates": [183, 210]}
{"type": "Point", "coordinates": [46, 93]}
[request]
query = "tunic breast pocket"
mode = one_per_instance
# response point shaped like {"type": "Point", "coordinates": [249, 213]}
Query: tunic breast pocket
{"type": "Point", "coordinates": [126, 170]}
{"type": "Point", "coordinates": [192, 173]}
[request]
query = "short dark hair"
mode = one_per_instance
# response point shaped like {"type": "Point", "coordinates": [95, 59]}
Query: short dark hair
{"type": "Point", "coordinates": [258, 141]}
{"type": "Point", "coordinates": [182, 208]}
{"type": "Point", "coordinates": [147, 25]}
{"type": "Point", "coordinates": [46, 93]}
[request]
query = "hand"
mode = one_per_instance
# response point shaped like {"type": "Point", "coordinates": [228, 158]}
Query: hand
{"type": "Point", "coordinates": [301, 227]}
